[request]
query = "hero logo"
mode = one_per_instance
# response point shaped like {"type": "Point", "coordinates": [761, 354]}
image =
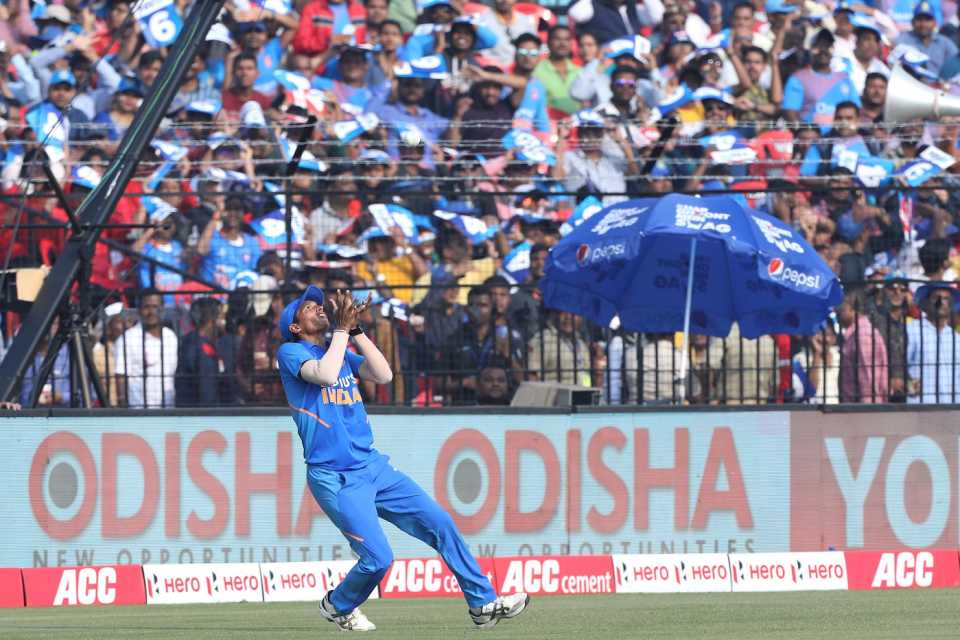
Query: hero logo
{"type": "Point", "coordinates": [701, 219]}
{"type": "Point", "coordinates": [780, 238]}
{"type": "Point", "coordinates": [778, 270]}
{"type": "Point", "coordinates": [618, 218]}
{"type": "Point", "coordinates": [587, 256]}
{"type": "Point", "coordinates": [86, 586]}
{"type": "Point", "coordinates": [902, 570]}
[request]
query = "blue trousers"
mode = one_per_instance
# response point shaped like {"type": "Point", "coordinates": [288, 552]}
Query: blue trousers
{"type": "Point", "coordinates": [353, 500]}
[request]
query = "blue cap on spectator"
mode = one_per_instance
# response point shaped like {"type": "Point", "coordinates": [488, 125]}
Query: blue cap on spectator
{"type": "Point", "coordinates": [843, 5]}
{"type": "Point", "coordinates": [423, 5]}
{"type": "Point", "coordinates": [680, 37]}
{"type": "Point", "coordinates": [895, 276]}
{"type": "Point", "coordinates": [310, 162]}
{"type": "Point", "coordinates": [660, 170]}
{"type": "Point", "coordinates": [130, 85]}
{"type": "Point", "coordinates": [49, 33]}
{"type": "Point", "coordinates": [85, 176]}
{"type": "Point", "coordinates": [373, 232]}
{"type": "Point", "coordinates": [865, 23]}
{"type": "Point", "coordinates": [710, 93]}
{"type": "Point", "coordinates": [289, 315]}
{"type": "Point", "coordinates": [924, 291]}
{"type": "Point", "coordinates": [375, 156]}
{"type": "Point", "coordinates": [924, 9]}
{"type": "Point", "coordinates": [208, 107]}
{"type": "Point", "coordinates": [62, 76]}
{"type": "Point", "coordinates": [588, 118]}
{"type": "Point", "coordinates": [246, 27]}
{"type": "Point", "coordinates": [780, 6]}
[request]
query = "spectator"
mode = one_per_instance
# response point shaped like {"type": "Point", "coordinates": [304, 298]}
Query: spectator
{"type": "Point", "coordinates": [888, 315]}
{"type": "Point", "coordinates": [406, 110]}
{"type": "Point", "coordinates": [558, 71]}
{"type": "Point", "coordinates": [472, 347]}
{"type": "Point", "coordinates": [748, 368]}
{"type": "Point", "coordinates": [923, 37]}
{"type": "Point", "coordinates": [146, 356]}
{"type": "Point", "coordinates": [488, 118]}
{"type": "Point", "coordinates": [392, 264]}
{"type": "Point", "coordinates": [816, 368]}
{"type": "Point", "coordinates": [390, 39]}
{"type": "Point", "coordinates": [865, 59]}
{"type": "Point", "coordinates": [56, 389]}
{"type": "Point", "coordinates": [588, 170]}
{"type": "Point", "coordinates": [609, 19]}
{"type": "Point", "coordinates": [494, 383]}
{"type": "Point", "coordinates": [200, 368]}
{"type": "Point", "coordinates": [873, 99]}
{"type": "Point", "coordinates": [507, 25]}
{"type": "Point", "coordinates": [812, 93]}
{"type": "Point", "coordinates": [329, 23]}
{"type": "Point", "coordinates": [652, 373]}
{"type": "Point", "coordinates": [558, 353]}
{"type": "Point", "coordinates": [525, 306]}
{"type": "Point", "coordinates": [227, 250]}
{"type": "Point", "coordinates": [863, 356]}
{"type": "Point", "coordinates": [242, 79]}
{"type": "Point", "coordinates": [755, 103]}
{"type": "Point", "coordinates": [104, 355]}
{"type": "Point", "coordinates": [933, 347]}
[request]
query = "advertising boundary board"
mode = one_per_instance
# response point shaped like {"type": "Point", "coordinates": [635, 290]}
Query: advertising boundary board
{"type": "Point", "coordinates": [537, 575]}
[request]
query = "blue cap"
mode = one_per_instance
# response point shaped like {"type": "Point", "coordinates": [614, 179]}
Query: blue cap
{"type": "Point", "coordinates": [289, 314]}
{"type": "Point", "coordinates": [85, 176]}
{"type": "Point", "coordinates": [780, 6]}
{"type": "Point", "coordinates": [680, 37]}
{"type": "Point", "coordinates": [865, 23]}
{"type": "Point", "coordinates": [843, 5]}
{"type": "Point", "coordinates": [246, 27]}
{"type": "Point", "coordinates": [423, 5]}
{"type": "Point", "coordinates": [130, 85]}
{"type": "Point", "coordinates": [62, 76]}
{"type": "Point", "coordinates": [924, 291]}
{"type": "Point", "coordinates": [209, 107]}
{"type": "Point", "coordinates": [710, 93]}
{"type": "Point", "coordinates": [660, 170]}
{"type": "Point", "coordinates": [588, 118]}
{"type": "Point", "coordinates": [375, 156]}
{"type": "Point", "coordinates": [896, 276]}
{"type": "Point", "coordinates": [924, 8]}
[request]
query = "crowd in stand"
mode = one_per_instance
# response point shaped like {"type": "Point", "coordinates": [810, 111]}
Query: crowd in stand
{"type": "Point", "coordinates": [449, 146]}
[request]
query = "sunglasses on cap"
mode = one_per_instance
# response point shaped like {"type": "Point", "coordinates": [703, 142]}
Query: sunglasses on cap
{"type": "Point", "coordinates": [897, 286]}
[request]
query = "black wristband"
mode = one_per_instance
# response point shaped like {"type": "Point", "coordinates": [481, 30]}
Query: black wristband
{"type": "Point", "coordinates": [356, 331]}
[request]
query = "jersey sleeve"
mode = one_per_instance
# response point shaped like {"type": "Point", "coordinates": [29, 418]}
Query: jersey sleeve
{"type": "Point", "coordinates": [291, 357]}
{"type": "Point", "coordinates": [354, 360]}
{"type": "Point", "coordinates": [793, 95]}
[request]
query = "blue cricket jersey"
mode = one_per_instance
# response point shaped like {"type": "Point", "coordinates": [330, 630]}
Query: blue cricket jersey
{"type": "Point", "coordinates": [331, 420]}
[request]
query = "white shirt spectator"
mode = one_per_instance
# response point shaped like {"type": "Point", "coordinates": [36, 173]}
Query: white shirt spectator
{"type": "Point", "coordinates": [504, 51]}
{"type": "Point", "coordinates": [149, 363]}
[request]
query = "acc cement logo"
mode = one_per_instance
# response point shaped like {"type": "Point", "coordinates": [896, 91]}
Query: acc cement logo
{"type": "Point", "coordinates": [701, 219]}
{"type": "Point", "coordinates": [617, 218]}
{"type": "Point", "coordinates": [778, 270]}
{"type": "Point", "coordinates": [780, 238]}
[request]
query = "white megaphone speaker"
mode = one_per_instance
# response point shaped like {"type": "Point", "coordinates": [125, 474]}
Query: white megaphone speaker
{"type": "Point", "coordinates": [909, 99]}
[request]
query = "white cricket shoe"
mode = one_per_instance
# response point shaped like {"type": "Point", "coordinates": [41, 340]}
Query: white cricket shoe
{"type": "Point", "coordinates": [353, 621]}
{"type": "Point", "coordinates": [504, 607]}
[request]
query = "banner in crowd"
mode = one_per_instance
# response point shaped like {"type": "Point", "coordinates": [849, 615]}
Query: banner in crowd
{"type": "Point", "coordinates": [167, 490]}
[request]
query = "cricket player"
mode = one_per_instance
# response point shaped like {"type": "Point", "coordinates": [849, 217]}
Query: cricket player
{"type": "Point", "coordinates": [353, 482]}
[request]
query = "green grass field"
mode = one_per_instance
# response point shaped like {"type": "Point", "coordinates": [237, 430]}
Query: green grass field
{"type": "Point", "coordinates": [853, 615]}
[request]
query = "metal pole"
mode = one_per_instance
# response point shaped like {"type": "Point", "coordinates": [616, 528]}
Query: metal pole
{"type": "Point", "coordinates": [101, 202]}
{"type": "Point", "coordinates": [685, 354]}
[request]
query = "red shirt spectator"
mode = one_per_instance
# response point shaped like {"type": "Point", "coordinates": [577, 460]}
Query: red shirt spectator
{"type": "Point", "coordinates": [315, 32]}
{"type": "Point", "coordinates": [245, 74]}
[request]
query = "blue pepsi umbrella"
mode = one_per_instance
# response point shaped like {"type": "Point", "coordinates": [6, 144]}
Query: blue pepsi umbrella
{"type": "Point", "coordinates": [696, 264]}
